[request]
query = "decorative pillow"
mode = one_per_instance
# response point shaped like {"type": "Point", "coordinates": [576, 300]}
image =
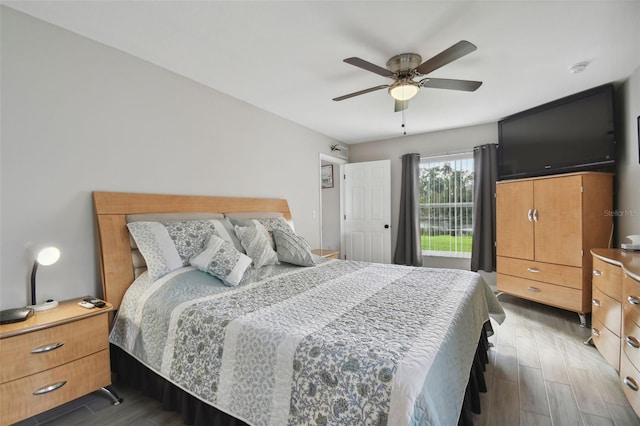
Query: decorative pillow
{"type": "Point", "coordinates": [257, 246]}
{"type": "Point", "coordinates": [221, 259]}
{"type": "Point", "coordinates": [167, 246]}
{"type": "Point", "coordinates": [265, 225]}
{"type": "Point", "coordinates": [292, 248]}
{"type": "Point", "coordinates": [224, 228]}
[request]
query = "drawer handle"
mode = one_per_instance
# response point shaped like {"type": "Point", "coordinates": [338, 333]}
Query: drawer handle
{"type": "Point", "coordinates": [631, 384]}
{"type": "Point", "coordinates": [596, 273]}
{"type": "Point", "coordinates": [632, 341]}
{"type": "Point", "coordinates": [595, 332]}
{"type": "Point", "coordinates": [50, 388]}
{"type": "Point", "coordinates": [47, 348]}
{"type": "Point", "coordinates": [534, 289]}
{"type": "Point", "coordinates": [534, 270]}
{"type": "Point", "coordinates": [633, 300]}
{"type": "Point", "coordinates": [595, 302]}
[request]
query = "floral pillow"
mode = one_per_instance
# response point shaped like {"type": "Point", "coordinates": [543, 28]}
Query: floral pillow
{"type": "Point", "coordinates": [257, 246]}
{"type": "Point", "coordinates": [167, 246]}
{"type": "Point", "coordinates": [221, 259]}
{"type": "Point", "coordinates": [292, 248]}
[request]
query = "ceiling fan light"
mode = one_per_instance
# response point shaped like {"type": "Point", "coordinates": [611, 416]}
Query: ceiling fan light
{"type": "Point", "coordinates": [404, 90]}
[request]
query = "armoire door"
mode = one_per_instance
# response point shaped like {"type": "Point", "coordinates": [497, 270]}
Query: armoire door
{"type": "Point", "coordinates": [558, 220]}
{"type": "Point", "coordinates": [514, 216]}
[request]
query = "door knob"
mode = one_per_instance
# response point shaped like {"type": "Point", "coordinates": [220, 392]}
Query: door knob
{"type": "Point", "coordinates": [386, 227]}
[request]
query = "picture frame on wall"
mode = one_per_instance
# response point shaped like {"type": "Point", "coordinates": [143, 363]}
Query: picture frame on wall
{"type": "Point", "coordinates": [326, 176]}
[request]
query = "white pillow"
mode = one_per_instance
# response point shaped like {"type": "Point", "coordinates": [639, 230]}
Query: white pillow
{"type": "Point", "coordinates": [221, 259]}
{"type": "Point", "coordinates": [167, 246]}
{"type": "Point", "coordinates": [257, 246]}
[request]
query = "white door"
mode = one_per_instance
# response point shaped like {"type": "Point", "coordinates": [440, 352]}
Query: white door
{"type": "Point", "coordinates": [367, 211]}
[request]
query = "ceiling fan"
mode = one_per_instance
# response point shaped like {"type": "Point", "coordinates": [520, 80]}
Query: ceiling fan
{"type": "Point", "coordinates": [406, 67]}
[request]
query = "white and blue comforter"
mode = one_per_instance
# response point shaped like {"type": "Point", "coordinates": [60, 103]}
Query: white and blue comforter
{"type": "Point", "coordinates": [340, 343]}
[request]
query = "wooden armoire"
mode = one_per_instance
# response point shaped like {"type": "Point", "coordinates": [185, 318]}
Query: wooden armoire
{"type": "Point", "coordinates": [545, 227]}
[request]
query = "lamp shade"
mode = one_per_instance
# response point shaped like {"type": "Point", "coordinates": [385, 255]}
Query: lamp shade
{"type": "Point", "coordinates": [48, 256]}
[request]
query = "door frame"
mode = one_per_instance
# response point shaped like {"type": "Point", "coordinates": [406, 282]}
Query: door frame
{"type": "Point", "coordinates": [339, 162]}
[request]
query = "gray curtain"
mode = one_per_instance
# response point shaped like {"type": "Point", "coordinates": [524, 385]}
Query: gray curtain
{"type": "Point", "coordinates": [408, 247]}
{"type": "Point", "coordinates": [485, 174]}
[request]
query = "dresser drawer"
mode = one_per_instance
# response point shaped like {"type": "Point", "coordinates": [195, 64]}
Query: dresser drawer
{"type": "Point", "coordinates": [607, 277]}
{"type": "Point", "coordinates": [30, 353]}
{"type": "Point", "coordinates": [630, 380]}
{"type": "Point", "coordinates": [631, 299]}
{"type": "Point", "coordinates": [607, 343]}
{"type": "Point", "coordinates": [606, 310]}
{"type": "Point", "coordinates": [79, 377]}
{"type": "Point", "coordinates": [550, 294]}
{"type": "Point", "coordinates": [631, 342]}
{"type": "Point", "coordinates": [567, 276]}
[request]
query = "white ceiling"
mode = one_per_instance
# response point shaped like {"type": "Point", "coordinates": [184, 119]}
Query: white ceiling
{"type": "Point", "coordinates": [286, 57]}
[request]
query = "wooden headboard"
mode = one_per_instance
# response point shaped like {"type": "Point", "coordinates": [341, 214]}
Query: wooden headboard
{"type": "Point", "coordinates": [111, 209]}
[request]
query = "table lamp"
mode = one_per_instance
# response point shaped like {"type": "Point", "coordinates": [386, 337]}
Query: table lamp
{"type": "Point", "coordinates": [46, 256]}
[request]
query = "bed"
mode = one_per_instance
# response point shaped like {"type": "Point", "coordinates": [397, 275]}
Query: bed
{"type": "Point", "coordinates": [334, 342]}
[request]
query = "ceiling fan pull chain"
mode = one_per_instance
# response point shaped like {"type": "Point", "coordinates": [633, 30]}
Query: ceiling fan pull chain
{"type": "Point", "coordinates": [404, 127]}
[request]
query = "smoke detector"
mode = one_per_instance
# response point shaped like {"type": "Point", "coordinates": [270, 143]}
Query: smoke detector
{"type": "Point", "coordinates": [578, 68]}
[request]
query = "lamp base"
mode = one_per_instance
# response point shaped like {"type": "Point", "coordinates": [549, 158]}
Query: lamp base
{"type": "Point", "coordinates": [44, 306]}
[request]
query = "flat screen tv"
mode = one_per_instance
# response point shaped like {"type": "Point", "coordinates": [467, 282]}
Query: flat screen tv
{"type": "Point", "coordinates": [571, 134]}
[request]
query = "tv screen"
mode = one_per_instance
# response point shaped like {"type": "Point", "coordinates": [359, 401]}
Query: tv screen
{"type": "Point", "coordinates": [575, 133]}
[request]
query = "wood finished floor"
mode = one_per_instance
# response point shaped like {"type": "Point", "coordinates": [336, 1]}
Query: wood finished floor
{"type": "Point", "coordinates": [540, 373]}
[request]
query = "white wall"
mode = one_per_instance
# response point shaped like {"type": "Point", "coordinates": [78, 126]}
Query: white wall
{"type": "Point", "coordinates": [78, 116]}
{"type": "Point", "coordinates": [628, 176]}
{"type": "Point", "coordinates": [425, 144]}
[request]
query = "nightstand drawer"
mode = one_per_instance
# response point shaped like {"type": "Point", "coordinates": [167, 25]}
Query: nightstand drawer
{"type": "Point", "coordinates": [53, 346]}
{"type": "Point", "coordinates": [80, 377]}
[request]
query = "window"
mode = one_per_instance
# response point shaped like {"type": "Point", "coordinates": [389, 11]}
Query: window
{"type": "Point", "coordinates": [446, 205]}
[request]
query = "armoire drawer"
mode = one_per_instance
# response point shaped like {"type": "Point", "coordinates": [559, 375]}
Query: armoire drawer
{"type": "Point", "coordinates": [567, 276]}
{"type": "Point", "coordinates": [607, 277]}
{"type": "Point", "coordinates": [606, 310]}
{"type": "Point", "coordinates": [550, 294]}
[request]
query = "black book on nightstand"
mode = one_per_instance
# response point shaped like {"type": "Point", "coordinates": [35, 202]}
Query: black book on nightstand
{"type": "Point", "coordinates": [15, 315]}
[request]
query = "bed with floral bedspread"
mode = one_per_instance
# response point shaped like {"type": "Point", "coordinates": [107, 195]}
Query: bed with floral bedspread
{"type": "Point", "coordinates": [338, 343]}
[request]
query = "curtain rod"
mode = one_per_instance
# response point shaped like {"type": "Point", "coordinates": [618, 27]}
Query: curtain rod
{"type": "Point", "coordinates": [446, 154]}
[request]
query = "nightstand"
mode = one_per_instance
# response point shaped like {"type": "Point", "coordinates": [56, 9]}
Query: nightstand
{"type": "Point", "coordinates": [329, 254]}
{"type": "Point", "coordinates": [52, 358]}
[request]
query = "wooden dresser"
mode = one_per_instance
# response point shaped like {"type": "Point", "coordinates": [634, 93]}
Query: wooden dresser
{"type": "Point", "coordinates": [52, 358]}
{"type": "Point", "coordinates": [545, 229]}
{"type": "Point", "coordinates": [616, 315]}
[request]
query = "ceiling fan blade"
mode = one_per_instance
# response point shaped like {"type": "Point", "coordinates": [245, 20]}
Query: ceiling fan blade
{"type": "Point", "coordinates": [361, 92]}
{"type": "Point", "coordinates": [401, 105]}
{"type": "Point", "coordinates": [456, 51]}
{"type": "Point", "coordinates": [361, 63]}
{"type": "Point", "coordinates": [445, 83]}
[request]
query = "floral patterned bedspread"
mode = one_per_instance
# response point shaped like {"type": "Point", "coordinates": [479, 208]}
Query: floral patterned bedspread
{"type": "Point", "coordinates": [340, 343]}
